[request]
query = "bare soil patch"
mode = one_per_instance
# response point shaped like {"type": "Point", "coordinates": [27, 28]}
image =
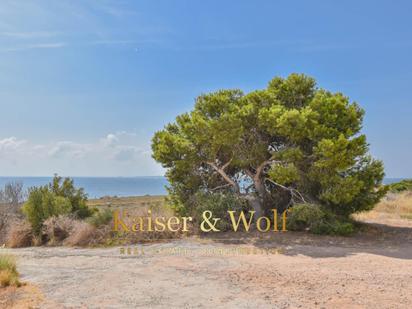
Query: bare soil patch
{"type": "Point", "coordinates": [26, 296]}
{"type": "Point", "coordinates": [372, 269]}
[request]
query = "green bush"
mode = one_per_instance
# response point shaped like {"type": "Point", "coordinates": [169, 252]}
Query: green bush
{"type": "Point", "coordinates": [76, 196]}
{"type": "Point", "coordinates": [42, 204]}
{"type": "Point", "coordinates": [218, 204]}
{"type": "Point", "coordinates": [101, 217]}
{"type": "Point", "coordinates": [318, 220]}
{"type": "Point", "coordinates": [57, 198]}
{"type": "Point", "coordinates": [304, 217]}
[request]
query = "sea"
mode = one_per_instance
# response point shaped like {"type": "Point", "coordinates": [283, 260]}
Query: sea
{"type": "Point", "coordinates": [97, 187]}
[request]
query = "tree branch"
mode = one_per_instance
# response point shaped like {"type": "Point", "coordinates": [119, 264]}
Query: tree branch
{"type": "Point", "coordinates": [220, 187]}
{"type": "Point", "coordinates": [249, 173]}
{"type": "Point", "coordinates": [224, 175]}
{"type": "Point", "coordinates": [256, 176]}
{"type": "Point", "coordinates": [227, 164]}
{"type": "Point", "coordinates": [294, 192]}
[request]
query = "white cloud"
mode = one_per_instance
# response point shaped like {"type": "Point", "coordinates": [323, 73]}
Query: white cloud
{"type": "Point", "coordinates": [68, 149]}
{"type": "Point", "coordinates": [127, 153]}
{"type": "Point", "coordinates": [110, 140]}
{"type": "Point", "coordinates": [10, 144]}
{"type": "Point", "coordinates": [34, 46]}
{"type": "Point", "coordinates": [117, 154]}
{"type": "Point", "coordinates": [29, 35]}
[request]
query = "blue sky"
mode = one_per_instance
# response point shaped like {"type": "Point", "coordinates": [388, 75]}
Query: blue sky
{"type": "Point", "coordinates": [84, 84]}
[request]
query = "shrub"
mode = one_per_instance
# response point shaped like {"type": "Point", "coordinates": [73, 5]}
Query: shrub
{"type": "Point", "coordinates": [101, 217]}
{"type": "Point", "coordinates": [20, 234]}
{"type": "Point", "coordinates": [12, 194]}
{"type": "Point", "coordinates": [98, 229]}
{"type": "Point", "coordinates": [304, 217]}
{"type": "Point", "coordinates": [317, 220]}
{"type": "Point", "coordinates": [57, 198]}
{"type": "Point", "coordinates": [8, 271]}
{"type": "Point", "coordinates": [76, 196]}
{"type": "Point", "coordinates": [69, 231]}
{"type": "Point", "coordinates": [218, 204]}
{"type": "Point", "coordinates": [9, 215]}
{"type": "Point", "coordinates": [42, 204]}
{"type": "Point", "coordinates": [82, 234]}
{"type": "Point", "coordinates": [57, 229]}
{"type": "Point", "coordinates": [121, 238]}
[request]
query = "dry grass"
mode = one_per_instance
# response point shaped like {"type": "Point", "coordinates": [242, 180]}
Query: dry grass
{"type": "Point", "coordinates": [97, 230]}
{"type": "Point", "coordinates": [128, 202]}
{"type": "Point", "coordinates": [143, 235]}
{"type": "Point", "coordinates": [86, 234]}
{"type": "Point", "coordinates": [8, 216]}
{"type": "Point", "coordinates": [136, 206]}
{"type": "Point", "coordinates": [19, 234]}
{"type": "Point", "coordinates": [58, 229]}
{"type": "Point", "coordinates": [83, 234]}
{"type": "Point", "coordinates": [8, 271]}
{"type": "Point", "coordinates": [392, 206]}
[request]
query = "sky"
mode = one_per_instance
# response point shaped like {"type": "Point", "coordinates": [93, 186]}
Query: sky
{"type": "Point", "coordinates": [85, 84]}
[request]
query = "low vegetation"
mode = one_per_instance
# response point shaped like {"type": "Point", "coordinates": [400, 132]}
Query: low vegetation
{"type": "Point", "coordinates": [397, 203]}
{"type": "Point", "coordinates": [60, 214]}
{"type": "Point", "coordinates": [19, 234]}
{"type": "Point", "coordinates": [114, 202]}
{"type": "Point", "coordinates": [57, 198]}
{"type": "Point", "coordinates": [318, 220]}
{"type": "Point", "coordinates": [101, 217]}
{"type": "Point", "coordinates": [8, 271]}
{"type": "Point", "coordinates": [392, 206]}
{"type": "Point", "coordinates": [12, 194]}
{"type": "Point", "coordinates": [403, 185]}
{"type": "Point", "coordinates": [218, 204]}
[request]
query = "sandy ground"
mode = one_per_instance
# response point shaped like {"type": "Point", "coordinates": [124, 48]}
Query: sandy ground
{"type": "Point", "coordinates": [300, 271]}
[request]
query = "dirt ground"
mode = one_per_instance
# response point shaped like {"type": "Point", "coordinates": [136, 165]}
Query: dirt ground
{"type": "Point", "coordinates": [26, 296]}
{"type": "Point", "coordinates": [279, 270]}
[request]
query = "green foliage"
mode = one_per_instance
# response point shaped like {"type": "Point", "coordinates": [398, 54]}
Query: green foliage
{"type": "Point", "coordinates": [403, 185]}
{"type": "Point", "coordinates": [304, 217]}
{"type": "Point", "coordinates": [42, 204]}
{"type": "Point", "coordinates": [284, 174]}
{"type": "Point", "coordinates": [101, 217]}
{"type": "Point", "coordinates": [53, 200]}
{"type": "Point", "coordinates": [8, 271]}
{"type": "Point", "coordinates": [78, 199]}
{"type": "Point", "coordinates": [317, 220]}
{"type": "Point", "coordinates": [8, 262]}
{"type": "Point", "coordinates": [289, 136]}
{"type": "Point", "coordinates": [218, 204]}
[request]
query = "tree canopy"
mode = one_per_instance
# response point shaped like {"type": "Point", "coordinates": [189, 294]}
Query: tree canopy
{"type": "Point", "coordinates": [289, 143]}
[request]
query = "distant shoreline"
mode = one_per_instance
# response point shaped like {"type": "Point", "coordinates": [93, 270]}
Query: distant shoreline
{"type": "Point", "coordinates": [98, 187]}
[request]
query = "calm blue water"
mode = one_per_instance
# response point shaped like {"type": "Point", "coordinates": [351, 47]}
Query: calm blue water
{"type": "Point", "coordinates": [121, 186]}
{"type": "Point", "coordinates": [101, 186]}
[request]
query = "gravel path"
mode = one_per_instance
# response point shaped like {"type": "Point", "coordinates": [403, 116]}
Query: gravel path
{"type": "Point", "coordinates": [298, 272]}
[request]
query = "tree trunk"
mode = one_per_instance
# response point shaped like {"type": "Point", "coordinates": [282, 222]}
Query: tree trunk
{"type": "Point", "coordinates": [256, 204]}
